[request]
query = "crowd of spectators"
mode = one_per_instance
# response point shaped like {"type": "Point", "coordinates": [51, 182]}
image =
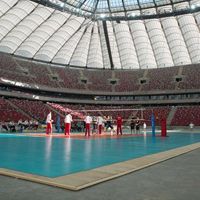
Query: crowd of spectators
{"type": "Point", "coordinates": [20, 126]}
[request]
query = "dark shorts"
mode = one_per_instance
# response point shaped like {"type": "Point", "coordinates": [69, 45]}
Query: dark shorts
{"type": "Point", "coordinates": [137, 127]}
{"type": "Point", "coordinates": [109, 125]}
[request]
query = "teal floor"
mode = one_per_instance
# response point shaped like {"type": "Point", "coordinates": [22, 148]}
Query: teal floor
{"type": "Point", "coordinates": [53, 157]}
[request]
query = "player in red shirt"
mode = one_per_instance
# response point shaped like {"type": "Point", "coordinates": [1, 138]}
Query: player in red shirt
{"type": "Point", "coordinates": [119, 125]}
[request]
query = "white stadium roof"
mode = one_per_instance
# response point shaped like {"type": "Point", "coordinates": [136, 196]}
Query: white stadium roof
{"type": "Point", "coordinates": [34, 31]}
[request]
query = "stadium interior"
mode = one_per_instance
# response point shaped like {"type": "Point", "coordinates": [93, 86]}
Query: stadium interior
{"type": "Point", "coordinates": [133, 58]}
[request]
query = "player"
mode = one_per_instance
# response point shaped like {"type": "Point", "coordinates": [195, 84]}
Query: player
{"type": "Point", "coordinates": [49, 124]}
{"type": "Point", "coordinates": [94, 125]}
{"type": "Point", "coordinates": [100, 124]}
{"type": "Point", "coordinates": [68, 120]}
{"type": "Point", "coordinates": [119, 125]}
{"type": "Point", "coordinates": [132, 125]}
{"type": "Point", "coordinates": [88, 121]}
{"type": "Point", "coordinates": [109, 123]}
{"type": "Point", "coordinates": [145, 128]}
{"type": "Point", "coordinates": [137, 126]}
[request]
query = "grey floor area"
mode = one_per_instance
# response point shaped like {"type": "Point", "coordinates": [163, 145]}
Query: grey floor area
{"type": "Point", "coordinates": [174, 179]}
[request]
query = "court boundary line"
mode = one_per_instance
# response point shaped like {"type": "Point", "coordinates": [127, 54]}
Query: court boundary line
{"type": "Point", "coordinates": [84, 179]}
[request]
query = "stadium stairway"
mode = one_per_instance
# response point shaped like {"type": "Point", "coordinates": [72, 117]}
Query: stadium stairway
{"type": "Point", "coordinates": [54, 110]}
{"type": "Point", "coordinates": [144, 76]}
{"type": "Point", "coordinates": [19, 109]}
{"type": "Point", "coordinates": [171, 115]}
{"type": "Point", "coordinates": [180, 72]}
{"type": "Point", "coordinates": [113, 77]}
{"type": "Point", "coordinates": [82, 76]}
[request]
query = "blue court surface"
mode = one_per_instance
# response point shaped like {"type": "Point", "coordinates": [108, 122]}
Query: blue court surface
{"type": "Point", "coordinates": [53, 157]}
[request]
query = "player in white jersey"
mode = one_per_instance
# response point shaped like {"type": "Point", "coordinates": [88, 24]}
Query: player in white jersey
{"type": "Point", "coordinates": [49, 124]}
{"type": "Point", "coordinates": [88, 121]}
{"type": "Point", "coordinates": [100, 121]}
{"type": "Point", "coordinates": [68, 120]}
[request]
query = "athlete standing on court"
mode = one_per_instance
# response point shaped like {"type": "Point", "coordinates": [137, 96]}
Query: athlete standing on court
{"type": "Point", "coordinates": [68, 120]}
{"type": "Point", "coordinates": [119, 125]}
{"type": "Point", "coordinates": [49, 124]}
{"type": "Point", "coordinates": [100, 123]}
{"type": "Point", "coordinates": [88, 121]}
